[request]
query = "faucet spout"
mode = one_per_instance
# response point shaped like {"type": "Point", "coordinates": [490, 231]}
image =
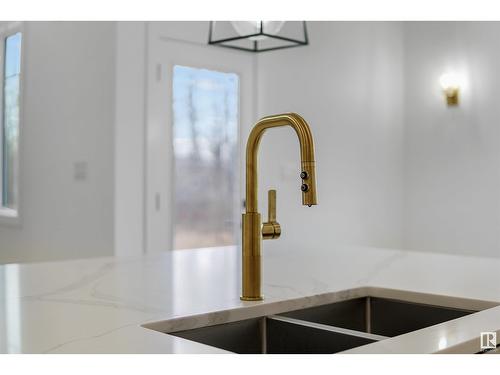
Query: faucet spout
{"type": "Point", "coordinates": [252, 229]}
{"type": "Point", "coordinates": [308, 172]}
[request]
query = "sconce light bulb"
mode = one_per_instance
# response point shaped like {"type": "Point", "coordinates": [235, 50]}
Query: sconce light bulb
{"type": "Point", "coordinates": [449, 81]}
{"type": "Point", "coordinates": [244, 28]}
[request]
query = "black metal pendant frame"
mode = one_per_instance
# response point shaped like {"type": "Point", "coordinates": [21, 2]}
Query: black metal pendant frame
{"type": "Point", "coordinates": [295, 42]}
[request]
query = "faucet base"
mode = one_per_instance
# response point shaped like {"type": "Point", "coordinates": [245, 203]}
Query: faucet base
{"type": "Point", "coordinates": [243, 298]}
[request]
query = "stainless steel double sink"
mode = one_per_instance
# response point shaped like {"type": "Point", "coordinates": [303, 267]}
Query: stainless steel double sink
{"type": "Point", "coordinates": [329, 328]}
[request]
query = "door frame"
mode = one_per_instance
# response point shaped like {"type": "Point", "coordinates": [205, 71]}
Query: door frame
{"type": "Point", "coordinates": [164, 54]}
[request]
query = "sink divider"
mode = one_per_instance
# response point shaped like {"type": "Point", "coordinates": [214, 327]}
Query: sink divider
{"type": "Point", "coordinates": [368, 314]}
{"type": "Point", "coordinates": [263, 335]}
{"type": "Point", "coordinates": [325, 327]}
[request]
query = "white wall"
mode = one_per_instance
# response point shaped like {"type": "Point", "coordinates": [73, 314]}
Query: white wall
{"type": "Point", "coordinates": [452, 158]}
{"type": "Point", "coordinates": [130, 133]}
{"type": "Point", "coordinates": [348, 84]}
{"type": "Point", "coordinates": [68, 117]}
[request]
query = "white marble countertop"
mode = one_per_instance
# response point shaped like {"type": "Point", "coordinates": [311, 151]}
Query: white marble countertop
{"type": "Point", "coordinates": [99, 305]}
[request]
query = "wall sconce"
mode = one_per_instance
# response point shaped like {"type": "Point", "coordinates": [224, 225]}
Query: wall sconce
{"type": "Point", "coordinates": [450, 83]}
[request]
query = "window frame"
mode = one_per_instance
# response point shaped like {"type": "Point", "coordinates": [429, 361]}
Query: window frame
{"type": "Point", "coordinates": [10, 216]}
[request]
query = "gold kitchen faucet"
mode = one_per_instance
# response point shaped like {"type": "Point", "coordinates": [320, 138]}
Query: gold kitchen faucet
{"type": "Point", "coordinates": [253, 231]}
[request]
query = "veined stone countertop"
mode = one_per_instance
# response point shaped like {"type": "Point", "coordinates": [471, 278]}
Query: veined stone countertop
{"type": "Point", "coordinates": [100, 305]}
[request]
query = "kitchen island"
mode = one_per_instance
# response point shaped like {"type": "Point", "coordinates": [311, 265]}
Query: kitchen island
{"type": "Point", "coordinates": [119, 304]}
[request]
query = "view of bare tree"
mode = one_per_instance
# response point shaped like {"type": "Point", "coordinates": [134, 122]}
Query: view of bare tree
{"type": "Point", "coordinates": [206, 157]}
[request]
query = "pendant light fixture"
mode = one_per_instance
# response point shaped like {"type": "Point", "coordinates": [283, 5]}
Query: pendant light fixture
{"type": "Point", "coordinates": [258, 36]}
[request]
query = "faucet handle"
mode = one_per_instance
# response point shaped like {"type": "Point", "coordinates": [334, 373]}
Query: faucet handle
{"type": "Point", "coordinates": [271, 205]}
{"type": "Point", "coordinates": [271, 229]}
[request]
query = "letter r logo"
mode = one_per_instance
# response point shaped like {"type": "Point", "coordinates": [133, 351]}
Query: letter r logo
{"type": "Point", "coordinates": [488, 340]}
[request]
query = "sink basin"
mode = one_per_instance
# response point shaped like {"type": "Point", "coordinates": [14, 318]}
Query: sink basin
{"type": "Point", "coordinates": [381, 316]}
{"type": "Point", "coordinates": [327, 328]}
{"type": "Point", "coordinates": [278, 335]}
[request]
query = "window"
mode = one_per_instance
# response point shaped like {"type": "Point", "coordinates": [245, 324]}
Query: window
{"type": "Point", "coordinates": [11, 75]}
{"type": "Point", "coordinates": [206, 157]}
